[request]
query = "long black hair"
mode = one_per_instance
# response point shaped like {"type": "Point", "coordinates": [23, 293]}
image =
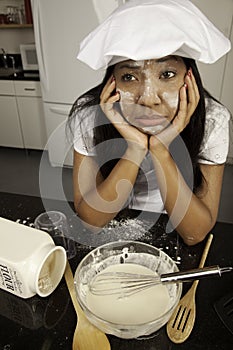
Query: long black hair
{"type": "Point", "coordinates": [107, 157]}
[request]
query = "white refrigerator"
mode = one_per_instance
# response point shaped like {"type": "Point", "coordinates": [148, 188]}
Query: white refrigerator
{"type": "Point", "coordinates": [59, 27]}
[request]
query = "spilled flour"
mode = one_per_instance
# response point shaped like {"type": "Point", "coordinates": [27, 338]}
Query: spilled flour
{"type": "Point", "coordinates": [128, 229]}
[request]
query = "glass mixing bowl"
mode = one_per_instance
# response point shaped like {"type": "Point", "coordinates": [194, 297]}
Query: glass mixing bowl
{"type": "Point", "coordinates": [125, 252]}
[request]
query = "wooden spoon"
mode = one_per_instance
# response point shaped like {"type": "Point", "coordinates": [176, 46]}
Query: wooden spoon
{"type": "Point", "coordinates": [86, 335]}
{"type": "Point", "coordinates": [182, 320]}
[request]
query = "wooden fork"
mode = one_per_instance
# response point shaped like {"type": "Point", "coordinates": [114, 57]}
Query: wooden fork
{"type": "Point", "coordinates": [182, 320]}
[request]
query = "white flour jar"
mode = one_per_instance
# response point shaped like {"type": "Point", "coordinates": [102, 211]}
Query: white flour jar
{"type": "Point", "coordinates": [30, 262]}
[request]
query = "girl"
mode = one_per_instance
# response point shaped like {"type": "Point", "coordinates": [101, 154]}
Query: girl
{"type": "Point", "coordinates": [150, 137]}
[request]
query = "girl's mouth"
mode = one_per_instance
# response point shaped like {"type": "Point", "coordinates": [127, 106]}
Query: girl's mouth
{"type": "Point", "coordinates": [150, 121]}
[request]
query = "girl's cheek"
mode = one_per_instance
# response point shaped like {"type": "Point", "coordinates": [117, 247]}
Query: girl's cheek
{"type": "Point", "coordinates": [126, 98]}
{"type": "Point", "coordinates": [126, 103]}
{"type": "Point", "coordinates": [172, 99]}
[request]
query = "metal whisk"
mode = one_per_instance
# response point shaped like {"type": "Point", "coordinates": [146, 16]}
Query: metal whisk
{"type": "Point", "coordinates": [126, 283]}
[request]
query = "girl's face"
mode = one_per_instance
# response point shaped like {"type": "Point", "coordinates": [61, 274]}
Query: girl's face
{"type": "Point", "coordinates": [149, 91]}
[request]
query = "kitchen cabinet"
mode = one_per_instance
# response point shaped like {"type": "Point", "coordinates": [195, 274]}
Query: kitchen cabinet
{"type": "Point", "coordinates": [31, 113]}
{"type": "Point", "coordinates": [60, 149]}
{"type": "Point", "coordinates": [15, 26]}
{"type": "Point", "coordinates": [22, 115]}
{"type": "Point", "coordinates": [10, 130]}
{"type": "Point", "coordinates": [15, 14]}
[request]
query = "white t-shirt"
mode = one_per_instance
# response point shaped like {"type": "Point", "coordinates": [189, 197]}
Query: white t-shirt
{"type": "Point", "coordinates": [146, 194]}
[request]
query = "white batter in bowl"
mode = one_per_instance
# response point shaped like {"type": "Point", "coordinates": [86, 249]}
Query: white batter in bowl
{"type": "Point", "coordinates": [137, 315]}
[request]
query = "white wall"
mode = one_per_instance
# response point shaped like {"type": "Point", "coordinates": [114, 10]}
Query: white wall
{"type": "Point", "coordinates": [218, 77]}
{"type": "Point", "coordinates": [221, 14]}
{"type": "Point", "coordinates": [10, 39]}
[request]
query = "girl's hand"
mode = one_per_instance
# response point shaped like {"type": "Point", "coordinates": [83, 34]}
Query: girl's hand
{"type": "Point", "coordinates": [189, 98]}
{"type": "Point", "coordinates": [135, 138]}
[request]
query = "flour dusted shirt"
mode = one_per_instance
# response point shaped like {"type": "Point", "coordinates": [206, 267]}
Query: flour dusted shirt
{"type": "Point", "coordinates": [146, 194]}
{"type": "Point", "coordinates": [215, 144]}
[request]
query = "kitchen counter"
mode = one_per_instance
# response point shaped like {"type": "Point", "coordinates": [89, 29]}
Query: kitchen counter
{"type": "Point", "coordinates": [48, 323]}
{"type": "Point", "coordinates": [14, 71]}
{"type": "Point", "coordinates": [18, 74]}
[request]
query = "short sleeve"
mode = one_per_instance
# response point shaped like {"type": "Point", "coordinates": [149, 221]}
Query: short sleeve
{"type": "Point", "coordinates": [215, 144]}
{"type": "Point", "coordinates": [83, 133]}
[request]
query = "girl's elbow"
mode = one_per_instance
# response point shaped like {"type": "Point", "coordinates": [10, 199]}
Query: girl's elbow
{"type": "Point", "coordinates": [196, 237]}
{"type": "Point", "coordinates": [197, 231]}
{"type": "Point", "coordinates": [88, 219]}
{"type": "Point", "coordinates": [193, 240]}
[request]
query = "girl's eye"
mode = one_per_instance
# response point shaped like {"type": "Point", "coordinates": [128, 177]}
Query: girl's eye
{"type": "Point", "coordinates": [168, 75]}
{"type": "Point", "coordinates": [128, 77]}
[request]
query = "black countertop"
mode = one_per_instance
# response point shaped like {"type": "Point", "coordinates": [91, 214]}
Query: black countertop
{"type": "Point", "coordinates": [9, 74]}
{"type": "Point", "coordinates": [16, 73]}
{"type": "Point", "coordinates": [48, 323]}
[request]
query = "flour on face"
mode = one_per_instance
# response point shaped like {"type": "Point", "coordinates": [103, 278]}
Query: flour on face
{"type": "Point", "coordinates": [149, 91]}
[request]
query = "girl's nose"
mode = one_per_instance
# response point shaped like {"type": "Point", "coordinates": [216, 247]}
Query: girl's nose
{"type": "Point", "coordinates": [149, 94]}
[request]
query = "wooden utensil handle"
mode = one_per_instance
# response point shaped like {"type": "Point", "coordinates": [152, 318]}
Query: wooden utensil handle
{"type": "Point", "coordinates": [70, 284]}
{"type": "Point", "coordinates": [206, 251]}
{"type": "Point", "coordinates": [203, 258]}
{"type": "Point", "coordinates": [86, 335]}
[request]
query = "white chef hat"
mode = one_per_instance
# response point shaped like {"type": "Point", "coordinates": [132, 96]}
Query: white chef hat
{"type": "Point", "coordinates": [147, 29]}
